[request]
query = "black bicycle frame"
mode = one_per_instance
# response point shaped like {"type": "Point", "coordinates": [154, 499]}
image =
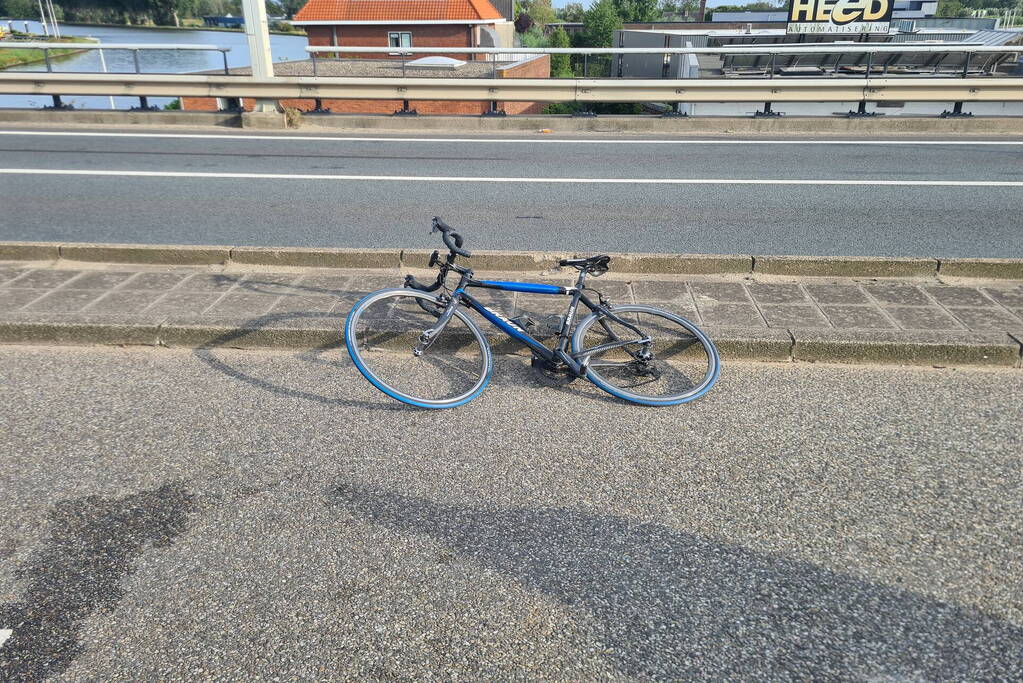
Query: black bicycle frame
{"type": "Point", "coordinates": [559, 351]}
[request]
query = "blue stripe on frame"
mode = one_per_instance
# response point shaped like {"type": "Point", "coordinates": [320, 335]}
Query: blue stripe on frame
{"type": "Point", "coordinates": [530, 287]}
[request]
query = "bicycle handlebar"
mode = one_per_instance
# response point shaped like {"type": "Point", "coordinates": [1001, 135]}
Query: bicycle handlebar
{"type": "Point", "coordinates": [451, 238]}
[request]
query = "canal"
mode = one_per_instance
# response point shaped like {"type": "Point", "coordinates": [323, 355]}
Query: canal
{"type": "Point", "coordinates": [283, 48]}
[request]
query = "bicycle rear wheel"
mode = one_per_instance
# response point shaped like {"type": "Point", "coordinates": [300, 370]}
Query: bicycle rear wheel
{"type": "Point", "coordinates": [671, 361]}
{"type": "Point", "coordinates": [382, 331]}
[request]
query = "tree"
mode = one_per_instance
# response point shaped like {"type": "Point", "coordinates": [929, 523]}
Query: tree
{"type": "Point", "coordinates": [572, 12]}
{"type": "Point", "coordinates": [540, 11]}
{"type": "Point", "coordinates": [600, 23]}
{"type": "Point", "coordinates": [952, 8]}
{"type": "Point", "coordinates": [19, 9]}
{"type": "Point", "coordinates": [560, 67]}
{"type": "Point", "coordinates": [637, 10]}
{"type": "Point", "coordinates": [678, 8]}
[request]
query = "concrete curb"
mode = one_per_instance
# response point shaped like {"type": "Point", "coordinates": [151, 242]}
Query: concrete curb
{"type": "Point", "coordinates": [524, 261]}
{"type": "Point", "coordinates": [29, 251]}
{"type": "Point", "coordinates": [905, 348]}
{"type": "Point", "coordinates": [173, 255]}
{"type": "Point", "coordinates": [704, 125]}
{"type": "Point", "coordinates": [770, 345]}
{"type": "Point", "coordinates": [994, 269]}
{"type": "Point", "coordinates": [840, 266]}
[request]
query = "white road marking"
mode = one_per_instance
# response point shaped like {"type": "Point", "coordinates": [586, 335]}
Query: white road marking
{"type": "Point", "coordinates": [472, 179]}
{"type": "Point", "coordinates": [5, 633]}
{"type": "Point", "coordinates": [625, 141]}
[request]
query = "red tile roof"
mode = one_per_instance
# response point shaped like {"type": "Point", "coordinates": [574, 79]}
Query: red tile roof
{"type": "Point", "coordinates": [398, 10]}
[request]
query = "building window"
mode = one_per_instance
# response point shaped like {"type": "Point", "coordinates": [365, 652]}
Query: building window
{"type": "Point", "coordinates": [399, 39]}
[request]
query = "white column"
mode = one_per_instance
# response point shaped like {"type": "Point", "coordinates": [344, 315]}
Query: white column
{"type": "Point", "coordinates": [257, 33]}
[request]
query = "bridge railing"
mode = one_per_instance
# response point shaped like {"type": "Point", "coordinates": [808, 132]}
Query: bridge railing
{"type": "Point", "coordinates": [767, 60]}
{"type": "Point", "coordinates": [873, 86]}
{"type": "Point", "coordinates": [134, 48]}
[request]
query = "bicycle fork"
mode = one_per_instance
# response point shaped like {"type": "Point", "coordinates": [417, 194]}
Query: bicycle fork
{"type": "Point", "coordinates": [429, 336]}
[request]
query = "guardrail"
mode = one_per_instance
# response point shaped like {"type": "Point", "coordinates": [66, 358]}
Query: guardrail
{"type": "Point", "coordinates": [869, 88]}
{"type": "Point", "coordinates": [522, 89]}
{"type": "Point", "coordinates": [868, 51]}
{"type": "Point", "coordinates": [135, 48]}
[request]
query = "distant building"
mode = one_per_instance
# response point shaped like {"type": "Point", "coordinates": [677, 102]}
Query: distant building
{"type": "Point", "coordinates": [530, 66]}
{"type": "Point", "coordinates": [224, 22]}
{"type": "Point", "coordinates": [406, 23]}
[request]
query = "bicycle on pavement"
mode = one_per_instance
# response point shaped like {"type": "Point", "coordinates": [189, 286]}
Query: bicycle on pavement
{"type": "Point", "coordinates": [421, 347]}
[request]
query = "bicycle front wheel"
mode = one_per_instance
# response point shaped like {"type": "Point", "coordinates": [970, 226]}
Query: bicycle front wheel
{"type": "Point", "coordinates": [667, 362]}
{"type": "Point", "coordinates": [382, 332]}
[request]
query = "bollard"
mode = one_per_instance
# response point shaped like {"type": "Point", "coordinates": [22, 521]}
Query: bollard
{"type": "Point", "coordinates": [766, 112]}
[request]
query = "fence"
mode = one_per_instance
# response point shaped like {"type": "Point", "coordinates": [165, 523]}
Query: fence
{"type": "Point", "coordinates": [869, 86]}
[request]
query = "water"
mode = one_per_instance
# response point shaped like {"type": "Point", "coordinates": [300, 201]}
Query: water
{"type": "Point", "coordinates": [282, 48]}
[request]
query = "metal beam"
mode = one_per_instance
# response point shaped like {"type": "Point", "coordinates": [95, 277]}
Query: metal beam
{"type": "Point", "coordinates": [521, 89]}
{"type": "Point", "coordinates": [804, 49]}
{"type": "Point", "coordinates": [111, 46]}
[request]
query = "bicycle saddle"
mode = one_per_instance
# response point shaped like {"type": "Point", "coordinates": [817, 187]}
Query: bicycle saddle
{"type": "Point", "coordinates": [596, 265]}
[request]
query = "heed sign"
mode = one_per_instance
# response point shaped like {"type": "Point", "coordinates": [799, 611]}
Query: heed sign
{"type": "Point", "coordinates": [840, 16]}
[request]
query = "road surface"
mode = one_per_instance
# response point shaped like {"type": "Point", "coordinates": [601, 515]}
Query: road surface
{"type": "Point", "coordinates": [182, 515]}
{"type": "Point", "coordinates": [618, 194]}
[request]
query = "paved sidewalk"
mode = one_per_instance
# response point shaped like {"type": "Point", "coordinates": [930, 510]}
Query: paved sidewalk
{"type": "Point", "coordinates": [921, 321]}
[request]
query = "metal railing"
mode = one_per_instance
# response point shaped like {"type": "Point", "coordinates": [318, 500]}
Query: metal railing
{"type": "Point", "coordinates": [867, 52]}
{"type": "Point", "coordinates": [135, 49]}
{"type": "Point", "coordinates": [869, 88]}
{"type": "Point", "coordinates": [870, 59]}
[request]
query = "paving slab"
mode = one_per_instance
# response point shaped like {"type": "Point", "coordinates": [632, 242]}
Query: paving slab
{"type": "Point", "coordinates": [750, 316]}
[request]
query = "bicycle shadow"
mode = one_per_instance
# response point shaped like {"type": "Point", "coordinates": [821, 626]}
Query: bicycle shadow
{"type": "Point", "coordinates": [675, 605]}
{"type": "Point", "coordinates": [341, 362]}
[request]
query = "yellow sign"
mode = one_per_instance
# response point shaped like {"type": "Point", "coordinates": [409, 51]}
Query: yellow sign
{"type": "Point", "coordinates": [840, 16]}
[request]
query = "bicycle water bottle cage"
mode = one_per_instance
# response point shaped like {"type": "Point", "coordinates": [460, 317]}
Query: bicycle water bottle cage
{"type": "Point", "coordinates": [594, 265]}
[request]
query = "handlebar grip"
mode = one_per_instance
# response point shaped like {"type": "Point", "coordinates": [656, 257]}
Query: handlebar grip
{"type": "Point", "coordinates": [412, 283]}
{"type": "Point", "coordinates": [456, 246]}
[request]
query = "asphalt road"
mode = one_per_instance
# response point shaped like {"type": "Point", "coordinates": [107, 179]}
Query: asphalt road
{"type": "Point", "coordinates": [232, 515]}
{"type": "Point", "coordinates": [598, 193]}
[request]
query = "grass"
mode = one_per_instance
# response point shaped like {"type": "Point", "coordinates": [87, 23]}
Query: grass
{"type": "Point", "coordinates": [15, 56]}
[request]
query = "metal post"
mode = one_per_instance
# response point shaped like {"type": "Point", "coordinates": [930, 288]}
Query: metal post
{"type": "Point", "coordinates": [766, 112]}
{"type": "Point", "coordinates": [966, 65]}
{"type": "Point", "coordinates": [103, 64]}
{"type": "Point", "coordinates": [144, 105]}
{"type": "Point", "coordinates": [773, 58]}
{"type": "Point", "coordinates": [135, 57]}
{"type": "Point", "coordinates": [402, 64]}
{"type": "Point", "coordinates": [46, 56]}
{"type": "Point", "coordinates": [315, 72]}
{"type": "Point", "coordinates": [257, 34]}
{"type": "Point", "coordinates": [586, 66]}
{"type": "Point", "coordinates": [318, 107]}
{"type": "Point", "coordinates": [406, 110]}
{"type": "Point", "coordinates": [956, 113]}
{"type": "Point", "coordinates": [870, 63]}
{"type": "Point", "coordinates": [227, 71]}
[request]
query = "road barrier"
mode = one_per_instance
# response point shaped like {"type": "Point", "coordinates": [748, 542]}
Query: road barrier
{"type": "Point", "coordinates": [520, 89]}
{"type": "Point", "coordinates": [871, 86]}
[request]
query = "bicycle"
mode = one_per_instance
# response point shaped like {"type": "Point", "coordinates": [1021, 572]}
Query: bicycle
{"type": "Point", "coordinates": [422, 348]}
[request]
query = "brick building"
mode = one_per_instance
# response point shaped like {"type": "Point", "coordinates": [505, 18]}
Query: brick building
{"type": "Point", "coordinates": [406, 23]}
{"type": "Point", "coordinates": [393, 24]}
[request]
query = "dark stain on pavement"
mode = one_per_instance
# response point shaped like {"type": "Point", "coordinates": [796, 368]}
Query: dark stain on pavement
{"type": "Point", "coordinates": [92, 546]}
{"type": "Point", "coordinates": [673, 605]}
